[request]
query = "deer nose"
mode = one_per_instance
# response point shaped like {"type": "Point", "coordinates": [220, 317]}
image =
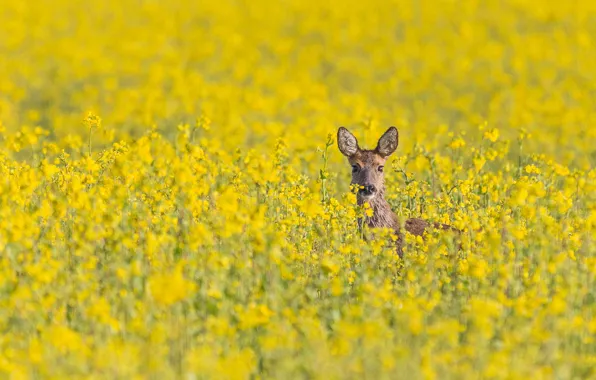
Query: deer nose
{"type": "Point", "coordinates": [368, 189]}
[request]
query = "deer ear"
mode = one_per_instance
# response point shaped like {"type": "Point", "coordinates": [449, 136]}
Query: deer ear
{"type": "Point", "coordinates": [388, 142]}
{"type": "Point", "coordinates": [346, 142]}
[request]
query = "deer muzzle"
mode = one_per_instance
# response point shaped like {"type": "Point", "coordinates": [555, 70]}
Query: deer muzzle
{"type": "Point", "coordinates": [367, 190]}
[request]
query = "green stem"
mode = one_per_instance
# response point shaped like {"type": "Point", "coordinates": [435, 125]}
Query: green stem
{"type": "Point", "coordinates": [89, 145]}
{"type": "Point", "coordinates": [323, 172]}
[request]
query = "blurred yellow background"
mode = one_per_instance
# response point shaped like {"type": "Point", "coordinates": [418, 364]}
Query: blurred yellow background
{"type": "Point", "coordinates": [299, 69]}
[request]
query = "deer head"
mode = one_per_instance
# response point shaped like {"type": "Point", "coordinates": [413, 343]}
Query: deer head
{"type": "Point", "coordinates": [367, 165]}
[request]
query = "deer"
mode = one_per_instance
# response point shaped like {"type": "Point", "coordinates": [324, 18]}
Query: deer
{"type": "Point", "coordinates": [368, 174]}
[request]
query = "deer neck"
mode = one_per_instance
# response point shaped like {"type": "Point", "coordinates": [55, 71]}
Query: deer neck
{"type": "Point", "coordinates": [383, 216]}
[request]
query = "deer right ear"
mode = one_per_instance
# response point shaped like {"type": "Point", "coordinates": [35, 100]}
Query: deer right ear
{"type": "Point", "coordinates": [346, 142]}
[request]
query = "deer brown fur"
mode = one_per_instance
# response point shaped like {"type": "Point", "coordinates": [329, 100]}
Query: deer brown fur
{"type": "Point", "coordinates": [368, 174]}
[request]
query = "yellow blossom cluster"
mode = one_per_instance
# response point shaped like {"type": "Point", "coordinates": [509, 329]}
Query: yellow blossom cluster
{"type": "Point", "coordinates": [172, 203]}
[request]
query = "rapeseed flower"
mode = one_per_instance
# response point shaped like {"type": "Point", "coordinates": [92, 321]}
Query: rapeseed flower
{"type": "Point", "coordinates": [199, 223]}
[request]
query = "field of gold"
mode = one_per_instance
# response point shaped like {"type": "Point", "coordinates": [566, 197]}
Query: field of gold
{"type": "Point", "coordinates": [173, 203]}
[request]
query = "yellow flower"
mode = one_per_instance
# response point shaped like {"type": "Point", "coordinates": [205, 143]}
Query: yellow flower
{"type": "Point", "coordinates": [329, 266]}
{"type": "Point", "coordinates": [64, 339]}
{"type": "Point", "coordinates": [492, 135]}
{"type": "Point", "coordinates": [169, 288]}
{"type": "Point", "coordinates": [92, 121]}
{"type": "Point", "coordinates": [457, 143]}
{"type": "Point", "coordinates": [532, 169]}
{"type": "Point", "coordinates": [254, 315]}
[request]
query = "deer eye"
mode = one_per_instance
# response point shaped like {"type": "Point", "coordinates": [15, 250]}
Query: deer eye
{"type": "Point", "coordinates": [381, 168]}
{"type": "Point", "coordinates": [355, 168]}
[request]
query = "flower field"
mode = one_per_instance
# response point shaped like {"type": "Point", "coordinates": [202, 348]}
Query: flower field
{"type": "Point", "coordinates": [173, 203]}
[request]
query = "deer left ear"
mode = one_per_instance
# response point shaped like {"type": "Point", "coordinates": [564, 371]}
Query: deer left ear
{"type": "Point", "coordinates": [388, 142]}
